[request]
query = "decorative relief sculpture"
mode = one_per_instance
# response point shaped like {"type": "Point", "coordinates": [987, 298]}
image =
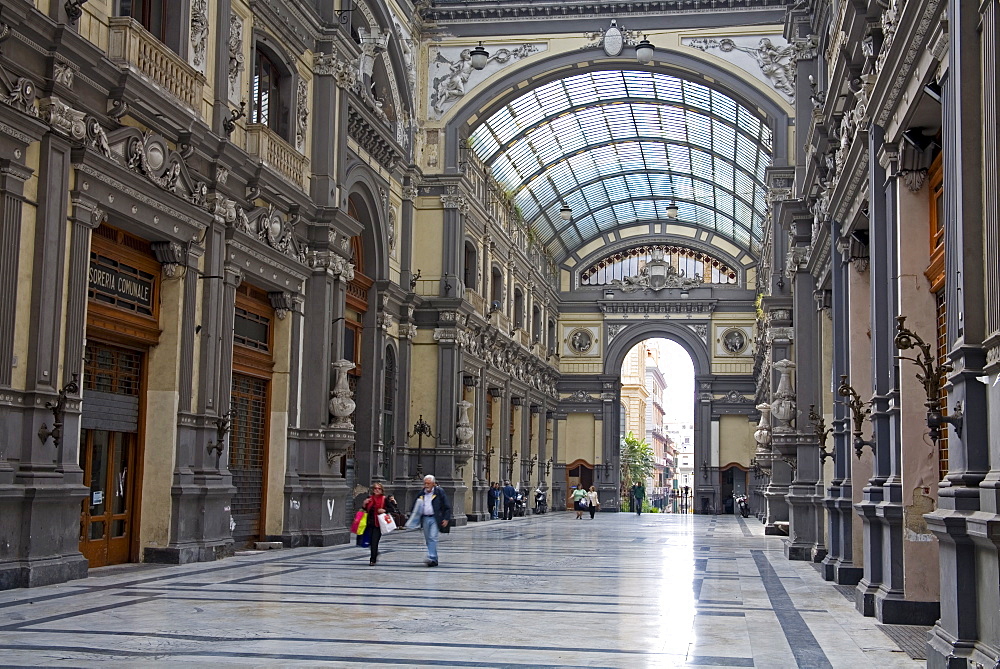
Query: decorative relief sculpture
{"type": "Point", "coordinates": [452, 75]}
{"type": "Point", "coordinates": [301, 114]}
{"type": "Point", "coordinates": [613, 330]}
{"type": "Point", "coordinates": [341, 404]}
{"type": "Point", "coordinates": [236, 58]}
{"type": "Point", "coordinates": [612, 39]}
{"type": "Point", "coordinates": [464, 431]}
{"type": "Point", "coordinates": [656, 275]}
{"type": "Point", "coordinates": [64, 119]}
{"type": "Point", "coordinates": [63, 74]}
{"type": "Point", "coordinates": [775, 62]}
{"type": "Point", "coordinates": [199, 33]}
{"type": "Point", "coordinates": [581, 341]}
{"type": "Point", "coordinates": [734, 341]}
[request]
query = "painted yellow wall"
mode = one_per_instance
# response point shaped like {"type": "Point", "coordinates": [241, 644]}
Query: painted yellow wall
{"type": "Point", "coordinates": [24, 271]}
{"type": "Point", "coordinates": [580, 437]}
{"type": "Point", "coordinates": [160, 429]}
{"type": "Point", "coordinates": [277, 451]}
{"type": "Point", "coordinates": [736, 442]}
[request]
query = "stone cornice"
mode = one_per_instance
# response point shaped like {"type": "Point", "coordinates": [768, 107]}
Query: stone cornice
{"type": "Point", "coordinates": [444, 11]}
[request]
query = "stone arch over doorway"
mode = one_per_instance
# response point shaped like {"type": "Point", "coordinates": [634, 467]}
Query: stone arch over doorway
{"type": "Point", "coordinates": [696, 347]}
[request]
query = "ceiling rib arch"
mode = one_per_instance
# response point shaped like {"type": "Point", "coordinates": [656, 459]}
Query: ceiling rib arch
{"type": "Point", "coordinates": [619, 145]}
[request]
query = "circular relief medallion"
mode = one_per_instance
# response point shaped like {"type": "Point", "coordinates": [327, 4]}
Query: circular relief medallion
{"type": "Point", "coordinates": [581, 341]}
{"type": "Point", "coordinates": [734, 340]}
{"type": "Point", "coordinates": [614, 41]}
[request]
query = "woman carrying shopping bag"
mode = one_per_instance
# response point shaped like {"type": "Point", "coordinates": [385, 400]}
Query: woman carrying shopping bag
{"type": "Point", "coordinates": [376, 504]}
{"type": "Point", "coordinates": [579, 501]}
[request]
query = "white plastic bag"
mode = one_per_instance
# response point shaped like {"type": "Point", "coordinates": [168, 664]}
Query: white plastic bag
{"type": "Point", "coordinates": [386, 523]}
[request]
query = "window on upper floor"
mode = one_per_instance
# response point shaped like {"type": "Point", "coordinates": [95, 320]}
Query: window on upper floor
{"type": "Point", "coordinates": [470, 270]}
{"type": "Point", "coordinates": [518, 308]}
{"type": "Point", "coordinates": [155, 17]}
{"type": "Point", "coordinates": [269, 85]}
{"type": "Point", "coordinates": [496, 287]}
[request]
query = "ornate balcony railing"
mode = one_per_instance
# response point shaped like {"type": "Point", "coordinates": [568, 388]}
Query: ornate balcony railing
{"type": "Point", "coordinates": [276, 153]}
{"type": "Point", "coordinates": [476, 300]}
{"type": "Point", "coordinates": [132, 46]}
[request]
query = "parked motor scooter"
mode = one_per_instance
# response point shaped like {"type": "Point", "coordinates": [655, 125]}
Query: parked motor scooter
{"type": "Point", "coordinates": [520, 502]}
{"type": "Point", "coordinates": [541, 501]}
{"type": "Point", "coordinates": [742, 505]}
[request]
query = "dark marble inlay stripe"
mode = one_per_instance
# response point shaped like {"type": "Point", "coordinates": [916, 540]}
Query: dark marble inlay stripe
{"type": "Point", "coordinates": [73, 614]}
{"type": "Point", "coordinates": [743, 526]}
{"type": "Point", "coordinates": [364, 642]}
{"type": "Point", "coordinates": [805, 649]}
{"type": "Point", "coordinates": [161, 654]}
{"type": "Point", "coordinates": [718, 661]}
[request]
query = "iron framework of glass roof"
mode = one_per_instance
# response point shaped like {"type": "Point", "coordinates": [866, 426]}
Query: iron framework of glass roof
{"type": "Point", "coordinates": [619, 146]}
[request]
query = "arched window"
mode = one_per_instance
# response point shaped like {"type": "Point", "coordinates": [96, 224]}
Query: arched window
{"type": "Point", "coordinates": [496, 286]}
{"type": "Point", "coordinates": [683, 261]}
{"type": "Point", "coordinates": [469, 274]}
{"type": "Point", "coordinates": [518, 308]}
{"type": "Point", "coordinates": [269, 83]}
{"type": "Point", "coordinates": [536, 323]}
{"type": "Point", "coordinates": [550, 335]}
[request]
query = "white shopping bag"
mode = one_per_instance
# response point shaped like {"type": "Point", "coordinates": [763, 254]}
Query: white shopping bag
{"type": "Point", "coordinates": [386, 523]}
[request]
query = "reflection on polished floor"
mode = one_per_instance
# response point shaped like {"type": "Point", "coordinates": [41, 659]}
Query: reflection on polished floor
{"type": "Point", "coordinates": [544, 591]}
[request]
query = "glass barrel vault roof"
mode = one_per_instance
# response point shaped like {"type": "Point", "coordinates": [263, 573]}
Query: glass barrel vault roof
{"type": "Point", "coordinates": [619, 146]}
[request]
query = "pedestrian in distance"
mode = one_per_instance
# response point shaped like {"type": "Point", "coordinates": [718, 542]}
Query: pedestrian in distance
{"type": "Point", "coordinates": [592, 502]}
{"type": "Point", "coordinates": [638, 495]}
{"type": "Point", "coordinates": [579, 501]}
{"type": "Point", "coordinates": [494, 498]}
{"type": "Point", "coordinates": [376, 504]}
{"type": "Point", "coordinates": [432, 514]}
{"type": "Point", "coordinates": [509, 497]}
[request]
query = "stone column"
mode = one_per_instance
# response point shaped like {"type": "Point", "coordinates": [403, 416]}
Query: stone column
{"type": "Point", "coordinates": [966, 530]}
{"type": "Point", "coordinates": [480, 484]}
{"type": "Point", "coordinates": [48, 480]}
{"type": "Point", "coordinates": [984, 527]}
{"type": "Point", "coordinates": [557, 498]}
{"type": "Point", "coordinates": [776, 519]}
{"type": "Point", "coordinates": [444, 466]}
{"type": "Point", "coordinates": [839, 565]}
{"type": "Point", "coordinates": [609, 478]}
{"type": "Point", "coordinates": [805, 513]}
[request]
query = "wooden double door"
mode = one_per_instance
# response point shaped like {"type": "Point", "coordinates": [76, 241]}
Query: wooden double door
{"type": "Point", "coordinates": [108, 462]}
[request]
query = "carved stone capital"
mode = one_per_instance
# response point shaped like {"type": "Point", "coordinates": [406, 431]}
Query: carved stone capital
{"type": "Point", "coordinates": [64, 119]}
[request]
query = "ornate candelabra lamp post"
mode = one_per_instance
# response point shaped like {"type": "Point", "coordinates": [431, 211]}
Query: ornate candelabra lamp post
{"type": "Point", "coordinates": [421, 429]}
{"type": "Point", "coordinates": [489, 457]}
{"type": "Point", "coordinates": [531, 465]}
{"type": "Point", "coordinates": [547, 466]}
{"type": "Point", "coordinates": [931, 376]}
{"type": "Point", "coordinates": [860, 410]}
{"type": "Point", "coordinates": [510, 466]}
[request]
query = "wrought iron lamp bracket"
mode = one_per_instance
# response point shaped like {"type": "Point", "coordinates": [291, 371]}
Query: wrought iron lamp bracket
{"type": "Point", "coordinates": [931, 376]}
{"type": "Point", "coordinates": [822, 432]}
{"type": "Point", "coordinates": [860, 411]}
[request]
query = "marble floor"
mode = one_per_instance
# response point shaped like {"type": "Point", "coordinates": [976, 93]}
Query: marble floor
{"type": "Point", "coordinates": [544, 591]}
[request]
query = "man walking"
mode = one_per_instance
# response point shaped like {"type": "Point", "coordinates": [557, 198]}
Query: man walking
{"type": "Point", "coordinates": [435, 513]}
{"type": "Point", "coordinates": [638, 495]}
{"type": "Point", "coordinates": [509, 495]}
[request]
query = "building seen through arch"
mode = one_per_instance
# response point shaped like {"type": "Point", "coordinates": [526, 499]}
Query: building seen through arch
{"type": "Point", "coordinates": [257, 256]}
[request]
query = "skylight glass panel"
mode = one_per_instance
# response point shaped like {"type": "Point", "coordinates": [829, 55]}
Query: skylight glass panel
{"type": "Point", "coordinates": [562, 143]}
{"type": "Point", "coordinates": [645, 209]}
{"type": "Point", "coordinates": [552, 97]}
{"type": "Point", "coordinates": [595, 195]}
{"type": "Point", "coordinates": [618, 188]}
{"type": "Point", "coordinates": [647, 119]}
{"type": "Point", "coordinates": [624, 212]}
{"type": "Point", "coordinates": [697, 95]}
{"type": "Point", "coordinates": [610, 84]}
